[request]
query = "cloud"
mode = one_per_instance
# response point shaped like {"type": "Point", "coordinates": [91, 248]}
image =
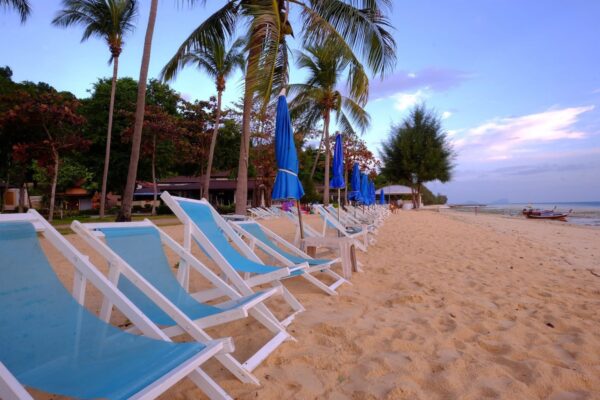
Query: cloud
{"type": "Point", "coordinates": [502, 138]}
{"type": "Point", "coordinates": [433, 78]}
{"type": "Point", "coordinates": [446, 114]}
{"type": "Point", "coordinates": [404, 101]}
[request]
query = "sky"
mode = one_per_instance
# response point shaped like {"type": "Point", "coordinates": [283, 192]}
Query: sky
{"type": "Point", "coordinates": [515, 82]}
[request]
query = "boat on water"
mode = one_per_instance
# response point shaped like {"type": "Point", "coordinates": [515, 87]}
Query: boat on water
{"type": "Point", "coordinates": [536, 213]}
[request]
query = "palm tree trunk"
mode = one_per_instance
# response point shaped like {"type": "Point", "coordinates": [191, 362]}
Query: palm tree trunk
{"type": "Point", "coordinates": [127, 200]}
{"type": "Point", "coordinates": [327, 158]}
{"type": "Point", "coordinates": [111, 108]}
{"type": "Point", "coordinates": [314, 167]}
{"type": "Point", "coordinates": [154, 185]}
{"type": "Point", "coordinates": [213, 143]}
{"type": "Point", "coordinates": [54, 183]}
{"type": "Point", "coordinates": [241, 189]}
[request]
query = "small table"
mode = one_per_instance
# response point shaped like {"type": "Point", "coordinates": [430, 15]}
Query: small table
{"type": "Point", "coordinates": [344, 245]}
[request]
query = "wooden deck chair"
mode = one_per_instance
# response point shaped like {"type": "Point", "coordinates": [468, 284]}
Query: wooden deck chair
{"type": "Point", "coordinates": [136, 251]}
{"type": "Point", "coordinates": [341, 246]}
{"type": "Point", "coordinates": [258, 213]}
{"type": "Point", "coordinates": [360, 236]}
{"type": "Point", "coordinates": [52, 343]}
{"type": "Point", "coordinates": [216, 238]}
{"type": "Point", "coordinates": [289, 255]}
{"type": "Point", "coordinates": [348, 220]}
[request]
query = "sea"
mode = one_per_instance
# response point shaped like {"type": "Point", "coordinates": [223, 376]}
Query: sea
{"type": "Point", "coordinates": [583, 213]}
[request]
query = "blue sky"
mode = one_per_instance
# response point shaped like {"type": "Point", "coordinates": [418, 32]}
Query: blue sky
{"type": "Point", "coordinates": [516, 82]}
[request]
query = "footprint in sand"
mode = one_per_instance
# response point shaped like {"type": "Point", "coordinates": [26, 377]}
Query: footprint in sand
{"type": "Point", "coordinates": [495, 347]}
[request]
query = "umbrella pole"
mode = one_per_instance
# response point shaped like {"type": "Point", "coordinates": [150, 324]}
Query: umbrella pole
{"type": "Point", "coordinates": [300, 219]}
{"type": "Point", "coordinates": [339, 204]}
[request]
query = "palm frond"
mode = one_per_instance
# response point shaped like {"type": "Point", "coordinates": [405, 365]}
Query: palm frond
{"type": "Point", "coordinates": [356, 113]}
{"type": "Point", "coordinates": [364, 30]}
{"type": "Point", "coordinates": [21, 6]}
{"type": "Point", "coordinates": [214, 30]}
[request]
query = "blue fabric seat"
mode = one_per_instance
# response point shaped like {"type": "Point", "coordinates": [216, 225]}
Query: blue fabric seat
{"type": "Point", "coordinates": [142, 249]}
{"type": "Point", "coordinates": [51, 343]}
{"type": "Point", "coordinates": [203, 218]}
{"type": "Point", "coordinates": [255, 230]}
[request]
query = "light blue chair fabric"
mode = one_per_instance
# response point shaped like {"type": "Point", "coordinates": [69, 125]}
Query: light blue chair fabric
{"type": "Point", "coordinates": [255, 230]}
{"type": "Point", "coordinates": [203, 218]}
{"type": "Point", "coordinates": [142, 249]}
{"type": "Point", "coordinates": [51, 343]}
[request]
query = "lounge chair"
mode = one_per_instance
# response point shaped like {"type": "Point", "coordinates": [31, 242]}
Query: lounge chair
{"type": "Point", "coordinates": [341, 246]}
{"type": "Point", "coordinates": [350, 221]}
{"type": "Point", "coordinates": [52, 343]}
{"type": "Point", "coordinates": [359, 236]}
{"type": "Point", "coordinates": [259, 213]}
{"type": "Point", "coordinates": [216, 238]}
{"type": "Point", "coordinates": [136, 250]}
{"type": "Point", "coordinates": [289, 255]}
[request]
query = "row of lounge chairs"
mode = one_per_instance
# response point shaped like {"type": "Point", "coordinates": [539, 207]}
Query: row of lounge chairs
{"type": "Point", "coordinates": [51, 342]}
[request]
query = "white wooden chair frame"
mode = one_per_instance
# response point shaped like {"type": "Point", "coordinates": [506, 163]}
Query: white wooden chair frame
{"type": "Point", "coordinates": [307, 274]}
{"type": "Point", "coordinates": [350, 221]}
{"type": "Point", "coordinates": [360, 239]}
{"type": "Point", "coordinates": [259, 213]}
{"type": "Point", "coordinates": [243, 284]}
{"type": "Point", "coordinates": [195, 328]}
{"type": "Point", "coordinates": [84, 272]}
{"type": "Point", "coordinates": [313, 238]}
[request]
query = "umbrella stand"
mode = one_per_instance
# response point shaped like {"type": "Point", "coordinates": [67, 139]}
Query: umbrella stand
{"type": "Point", "coordinates": [339, 204]}
{"type": "Point", "coordinates": [300, 219]}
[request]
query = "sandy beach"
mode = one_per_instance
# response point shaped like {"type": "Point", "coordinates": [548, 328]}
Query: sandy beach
{"type": "Point", "coordinates": [450, 306]}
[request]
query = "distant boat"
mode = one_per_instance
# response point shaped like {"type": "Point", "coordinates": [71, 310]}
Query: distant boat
{"type": "Point", "coordinates": [536, 213]}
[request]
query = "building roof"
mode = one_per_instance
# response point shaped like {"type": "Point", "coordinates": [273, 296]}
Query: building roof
{"type": "Point", "coordinates": [395, 190]}
{"type": "Point", "coordinates": [191, 185]}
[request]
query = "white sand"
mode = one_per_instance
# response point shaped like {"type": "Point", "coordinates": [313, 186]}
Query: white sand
{"type": "Point", "coordinates": [452, 306]}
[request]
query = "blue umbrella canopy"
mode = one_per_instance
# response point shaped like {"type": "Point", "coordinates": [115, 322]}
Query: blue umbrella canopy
{"type": "Point", "coordinates": [381, 197]}
{"type": "Point", "coordinates": [365, 196]}
{"type": "Point", "coordinates": [337, 181]}
{"type": "Point", "coordinates": [354, 194]}
{"type": "Point", "coordinates": [372, 191]}
{"type": "Point", "coordinates": [287, 185]}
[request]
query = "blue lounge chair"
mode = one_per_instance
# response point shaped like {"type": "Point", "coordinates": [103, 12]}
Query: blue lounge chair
{"type": "Point", "coordinates": [217, 239]}
{"type": "Point", "coordinates": [137, 251]}
{"type": "Point", "coordinates": [286, 253]}
{"type": "Point", "coordinates": [52, 343]}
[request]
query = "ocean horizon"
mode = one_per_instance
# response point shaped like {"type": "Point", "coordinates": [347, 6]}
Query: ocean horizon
{"type": "Point", "coordinates": [582, 212]}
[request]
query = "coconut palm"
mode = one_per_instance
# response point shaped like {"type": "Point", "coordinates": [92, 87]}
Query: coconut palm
{"type": "Point", "coordinates": [353, 25]}
{"type": "Point", "coordinates": [140, 108]}
{"type": "Point", "coordinates": [219, 63]}
{"type": "Point", "coordinates": [21, 6]}
{"type": "Point", "coordinates": [320, 97]}
{"type": "Point", "coordinates": [109, 20]}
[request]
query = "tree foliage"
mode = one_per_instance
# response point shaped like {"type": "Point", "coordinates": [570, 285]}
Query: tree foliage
{"type": "Point", "coordinates": [418, 151]}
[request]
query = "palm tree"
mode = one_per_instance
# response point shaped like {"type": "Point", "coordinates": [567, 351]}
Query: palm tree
{"type": "Point", "coordinates": [109, 20]}
{"type": "Point", "coordinates": [22, 7]}
{"type": "Point", "coordinates": [140, 108]}
{"type": "Point", "coordinates": [353, 25]}
{"type": "Point", "coordinates": [219, 63]}
{"type": "Point", "coordinates": [320, 96]}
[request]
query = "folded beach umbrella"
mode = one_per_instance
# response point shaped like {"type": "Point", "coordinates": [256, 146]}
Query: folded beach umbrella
{"type": "Point", "coordinates": [372, 191]}
{"type": "Point", "coordinates": [287, 185]}
{"type": "Point", "coordinates": [354, 194]}
{"type": "Point", "coordinates": [337, 181]}
{"type": "Point", "coordinates": [381, 197]}
{"type": "Point", "coordinates": [364, 189]}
